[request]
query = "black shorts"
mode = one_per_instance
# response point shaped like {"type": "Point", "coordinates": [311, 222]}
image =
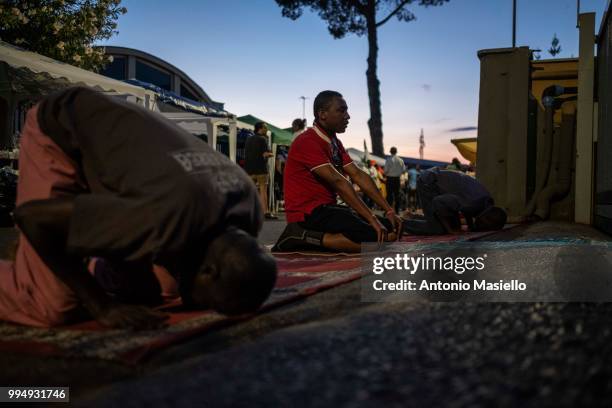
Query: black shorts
{"type": "Point", "coordinates": [340, 219]}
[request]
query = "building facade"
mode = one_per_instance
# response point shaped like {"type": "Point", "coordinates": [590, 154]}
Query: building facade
{"type": "Point", "coordinates": [132, 64]}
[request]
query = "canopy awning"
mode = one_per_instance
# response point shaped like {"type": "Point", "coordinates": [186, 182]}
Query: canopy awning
{"type": "Point", "coordinates": [50, 69]}
{"type": "Point", "coordinates": [192, 122]}
{"type": "Point", "coordinates": [467, 147]}
{"type": "Point", "coordinates": [358, 155]}
{"type": "Point", "coordinates": [186, 104]}
{"type": "Point", "coordinates": [197, 124]}
{"type": "Point", "coordinates": [279, 136]}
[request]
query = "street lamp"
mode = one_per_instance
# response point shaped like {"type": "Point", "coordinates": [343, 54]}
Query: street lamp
{"type": "Point", "coordinates": [303, 98]}
{"type": "Point", "coordinates": [513, 23]}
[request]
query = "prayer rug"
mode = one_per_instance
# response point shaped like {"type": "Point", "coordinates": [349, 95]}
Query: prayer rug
{"type": "Point", "coordinates": [300, 275]}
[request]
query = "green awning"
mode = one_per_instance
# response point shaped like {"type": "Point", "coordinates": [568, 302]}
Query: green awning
{"type": "Point", "coordinates": [279, 136]}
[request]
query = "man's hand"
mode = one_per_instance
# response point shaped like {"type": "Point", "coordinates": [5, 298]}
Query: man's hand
{"type": "Point", "coordinates": [397, 223]}
{"type": "Point", "coordinates": [381, 231]}
{"type": "Point", "coordinates": [122, 316]}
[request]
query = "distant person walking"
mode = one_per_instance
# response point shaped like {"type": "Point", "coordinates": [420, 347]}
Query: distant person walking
{"type": "Point", "coordinates": [279, 171]}
{"type": "Point", "coordinates": [413, 174]}
{"type": "Point", "coordinates": [373, 173]}
{"type": "Point", "coordinates": [382, 181]}
{"type": "Point", "coordinates": [257, 152]}
{"type": "Point", "coordinates": [394, 167]}
{"type": "Point", "coordinates": [404, 191]}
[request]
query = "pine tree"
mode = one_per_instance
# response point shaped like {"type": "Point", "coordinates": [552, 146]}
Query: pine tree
{"type": "Point", "coordinates": [360, 17]}
{"type": "Point", "coordinates": [555, 48]}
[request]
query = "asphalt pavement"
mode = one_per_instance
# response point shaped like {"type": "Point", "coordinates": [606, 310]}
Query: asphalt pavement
{"type": "Point", "coordinates": [332, 349]}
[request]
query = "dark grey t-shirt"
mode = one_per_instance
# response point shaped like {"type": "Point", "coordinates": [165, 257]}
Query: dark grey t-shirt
{"type": "Point", "coordinates": [157, 192]}
{"type": "Point", "coordinates": [463, 193]}
{"type": "Point", "coordinates": [254, 149]}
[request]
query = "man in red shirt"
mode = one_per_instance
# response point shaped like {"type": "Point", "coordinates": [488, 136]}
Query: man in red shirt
{"type": "Point", "coordinates": [315, 174]}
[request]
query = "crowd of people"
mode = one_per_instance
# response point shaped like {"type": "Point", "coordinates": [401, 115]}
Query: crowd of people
{"type": "Point", "coordinates": [105, 234]}
{"type": "Point", "coordinates": [396, 181]}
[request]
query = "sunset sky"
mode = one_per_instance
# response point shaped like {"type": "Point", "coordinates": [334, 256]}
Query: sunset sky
{"type": "Point", "coordinates": [245, 54]}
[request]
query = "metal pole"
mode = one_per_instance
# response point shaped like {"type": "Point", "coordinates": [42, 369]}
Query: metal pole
{"type": "Point", "coordinates": [513, 23]}
{"type": "Point", "coordinates": [303, 98]}
{"type": "Point", "coordinates": [577, 13]}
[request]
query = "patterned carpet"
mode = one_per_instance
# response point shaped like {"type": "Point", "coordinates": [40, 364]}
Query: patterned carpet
{"type": "Point", "coordinates": [300, 275]}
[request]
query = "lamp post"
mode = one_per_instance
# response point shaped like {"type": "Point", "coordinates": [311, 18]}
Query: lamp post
{"type": "Point", "coordinates": [513, 23]}
{"type": "Point", "coordinates": [303, 98]}
{"type": "Point", "coordinates": [422, 145]}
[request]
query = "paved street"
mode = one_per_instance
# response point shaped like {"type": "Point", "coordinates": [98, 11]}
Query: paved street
{"type": "Point", "coordinates": [332, 349]}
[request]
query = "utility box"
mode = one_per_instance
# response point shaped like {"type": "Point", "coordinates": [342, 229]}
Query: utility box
{"type": "Point", "coordinates": [504, 127]}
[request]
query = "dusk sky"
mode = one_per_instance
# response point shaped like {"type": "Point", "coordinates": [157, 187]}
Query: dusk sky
{"type": "Point", "coordinates": [244, 53]}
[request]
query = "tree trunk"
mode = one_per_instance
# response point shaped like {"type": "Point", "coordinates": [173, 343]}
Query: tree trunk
{"type": "Point", "coordinates": [375, 121]}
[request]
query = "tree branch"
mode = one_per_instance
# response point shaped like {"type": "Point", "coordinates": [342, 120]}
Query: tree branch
{"type": "Point", "coordinates": [394, 12]}
{"type": "Point", "coordinates": [359, 6]}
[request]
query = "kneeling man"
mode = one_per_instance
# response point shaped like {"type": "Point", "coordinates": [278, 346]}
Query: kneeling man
{"type": "Point", "coordinates": [105, 178]}
{"type": "Point", "coordinates": [315, 174]}
{"type": "Point", "coordinates": [446, 195]}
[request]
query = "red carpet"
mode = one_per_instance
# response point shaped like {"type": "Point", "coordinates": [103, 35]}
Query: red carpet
{"type": "Point", "coordinates": [300, 275]}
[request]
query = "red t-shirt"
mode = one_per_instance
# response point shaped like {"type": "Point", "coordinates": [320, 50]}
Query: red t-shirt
{"type": "Point", "coordinates": [304, 191]}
